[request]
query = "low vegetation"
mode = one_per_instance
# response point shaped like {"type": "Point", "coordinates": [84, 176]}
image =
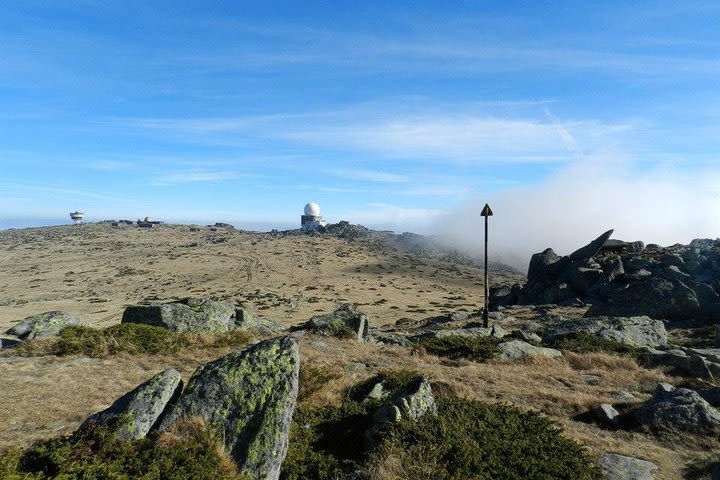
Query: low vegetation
{"type": "Point", "coordinates": [130, 338]}
{"type": "Point", "coordinates": [192, 450]}
{"type": "Point", "coordinates": [467, 440]}
{"type": "Point", "coordinates": [312, 379]}
{"type": "Point", "coordinates": [477, 349]}
{"type": "Point", "coordinates": [581, 342]}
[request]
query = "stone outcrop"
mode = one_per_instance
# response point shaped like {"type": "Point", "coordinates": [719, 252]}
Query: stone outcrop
{"type": "Point", "coordinates": [199, 315]}
{"type": "Point", "coordinates": [346, 320]}
{"type": "Point", "coordinates": [625, 279]}
{"type": "Point", "coordinates": [619, 467]}
{"type": "Point", "coordinates": [634, 331]}
{"type": "Point", "coordinates": [496, 331]}
{"type": "Point", "coordinates": [517, 349]}
{"type": "Point", "coordinates": [414, 402]}
{"type": "Point", "coordinates": [679, 409]}
{"type": "Point", "coordinates": [134, 414]}
{"type": "Point", "coordinates": [46, 324]}
{"type": "Point", "coordinates": [701, 363]}
{"type": "Point", "coordinates": [249, 396]}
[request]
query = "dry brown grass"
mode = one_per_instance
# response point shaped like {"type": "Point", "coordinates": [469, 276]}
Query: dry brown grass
{"type": "Point", "coordinates": [289, 279]}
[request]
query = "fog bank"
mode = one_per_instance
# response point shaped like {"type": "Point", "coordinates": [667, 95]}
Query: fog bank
{"type": "Point", "coordinates": [655, 205]}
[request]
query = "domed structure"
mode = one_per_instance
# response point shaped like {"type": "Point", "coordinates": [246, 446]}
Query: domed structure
{"type": "Point", "coordinates": [312, 220]}
{"type": "Point", "coordinates": [312, 209]}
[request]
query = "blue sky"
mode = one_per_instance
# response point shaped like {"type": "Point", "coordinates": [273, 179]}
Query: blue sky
{"type": "Point", "coordinates": [386, 113]}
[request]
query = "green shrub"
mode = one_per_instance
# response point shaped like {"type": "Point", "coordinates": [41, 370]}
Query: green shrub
{"type": "Point", "coordinates": [191, 452]}
{"type": "Point", "coordinates": [456, 346]}
{"type": "Point", "coordinates": [131, 338]}
{"type": "Point", "coordinates": [466, 440]}
{"type": "Point", "coordinates": [474, 440]}
{"type": "Point", "coordinates": [327, 443]}
{"type": "Point", "coordinates": [582, 342]}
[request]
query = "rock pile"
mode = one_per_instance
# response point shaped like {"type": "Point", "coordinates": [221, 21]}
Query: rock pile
{"type": "Point", "coordinates": [625, 279]}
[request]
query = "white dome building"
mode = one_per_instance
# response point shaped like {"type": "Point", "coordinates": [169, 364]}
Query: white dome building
{"type": "Point", "coordinates": [312, 219]}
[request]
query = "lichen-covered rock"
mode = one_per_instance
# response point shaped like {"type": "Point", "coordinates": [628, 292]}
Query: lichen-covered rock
{"type": "Point", "coordinates": [679, 409]}
{"type": "Point", "coordinates": [134, 414]}
{"type": "Point", "coordinates": [412, 403]}
{"type": "Point", "coordinates": [701, 363]}
{"type": "Point", "coordinates": [634, 331]}
{"type": "Point", "coordinates": [619, 467]}
{"type": "Point", "coordinates": [346, 320]}
{"type": "Point", "coordinates": [246, 320]}
{"type": "Point", "coordinates": [495, 331]}
{"type": "Point", "coordinates": [197, 315]}
{"type": "Point", "coordinates": [9, 341]}
{"type": "Point", "coordinates": [249, 396]}
{"type": "Point", "coordinates": [517, 349]}
{"type": "Point", "coordinates": [46, 324]}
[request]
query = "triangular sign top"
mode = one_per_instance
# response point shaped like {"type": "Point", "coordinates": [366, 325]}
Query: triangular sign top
{"type": "Point", "coordinates": [486, 211]}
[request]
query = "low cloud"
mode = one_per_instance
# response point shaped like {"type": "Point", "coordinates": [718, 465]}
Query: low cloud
{"type": "Point", "coordinates": [577, 204]}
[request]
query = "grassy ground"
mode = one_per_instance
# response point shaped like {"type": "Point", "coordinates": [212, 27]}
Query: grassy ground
{"type": "Point", "coordinates": [94, 271]}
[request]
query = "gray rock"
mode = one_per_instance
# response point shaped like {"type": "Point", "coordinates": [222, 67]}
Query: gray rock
{"type": "Point", "coordinates": [711, 395]}
{"type": "Point", "coordinates": [494, 331]}
{"type": "Point", "coordinates": [655, 297]}
{"type": "Point", "coordinates": [697, 363]}
{"type": "Point", "coordinates": [416, 401]}
{"type": "Point", "coordinates": [619, 467]}
{"type": "Point", "coordinates": [503, 296]}
{"type": "Point", "coordinates": [392, 339]}
{"type": "Point", "coordinates": [246, 320]}
{"type": "Point", "coordinates": [592, 248]}
{"type": "Point", "coordinates": [540, 268]}
{"type": "Point", "coordinates": [679, 409]}
{"type": "Point", "coordinates": [9, 341]}
{"type": "Point", "coordinates": [460, 316]}
{"type": "Point", "coordinates": [346, 318]}
{"type": "Point", "coordinates": [46, 324]}
{"type": "Point", "coordinates": [197, 315]}
{"type": "Point", "coordinates": [634, 331]}
{"type": "Point", "coordinates": [581, 279]}
{"type": "Point", "coordinates": [607, 415]}
{"type": "Point", "coordinates": [134, 414]}
{"type": "Point", "coordinates": [249, 396]}
{"type": "Point", "coordinates": [378, 392]}
{"type": "Point", "coordinates": [517, 349]}
{"type": "Point", "coordinates": [624, 397]}
{"type": "Point", "coordinates": [356, 367]}
{"type": "Point", "coordinates": [525, 336]}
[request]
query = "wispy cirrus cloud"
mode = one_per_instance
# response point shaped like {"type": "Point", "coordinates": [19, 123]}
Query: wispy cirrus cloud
{"type": "Point", "coordinates": [367, 175]}
{"type": "Point", "coordinates": [198, 176]}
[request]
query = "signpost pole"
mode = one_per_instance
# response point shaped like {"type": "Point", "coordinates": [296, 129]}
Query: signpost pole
{"type": "Point", "coordinates": [486, 212]}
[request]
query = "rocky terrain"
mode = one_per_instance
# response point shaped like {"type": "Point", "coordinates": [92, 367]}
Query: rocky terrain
{"type": "Point", "coordinates": [352, 355]}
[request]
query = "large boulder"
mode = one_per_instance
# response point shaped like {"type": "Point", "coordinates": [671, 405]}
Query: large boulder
{"type": "Point", "coordinates": [9, 341]}
{"type": "Point", "coordinates": [46, 324]}
{"type": "Point", "coordinates": [249, 396]}
{"type": "Point", "coordinates": [592, 248]}
{"type": "Point", "coordinates": [496, 331]}
{"type": "Point", "coordinates": [655, 297]}
{"type": "Point", "coordinates": [197, 315]}
{"type": "Point", "coordinates": [134, 414]}
{"type": "Point", "coordinates": [517, 349]}
{"type": "Point", "coordinates": [679, 409]}
{"type": "Point", "coordinates": [634, 331]}
{"type": "Point", "coordinates": [541, 265]}
{"type": "Point", "coordinates": [345, 321]}
{"type": "Point", "coordinates": [620, 467]}
{"type": "Point", "coordinates": [246, 320]}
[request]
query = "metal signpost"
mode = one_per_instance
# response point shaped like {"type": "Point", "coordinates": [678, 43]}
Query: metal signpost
{"type": "Point", "coordinates": [486, 212]}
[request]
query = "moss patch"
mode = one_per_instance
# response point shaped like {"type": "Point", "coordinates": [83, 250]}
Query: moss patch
{"type": "Point", "coordinates": [582, 342]}
{"type": "Point", "coordinates": [190, 451]}
{"type": "Point", "coordinates": [472, 348]}
{"type": "Point", "coordinates": [128, 338]}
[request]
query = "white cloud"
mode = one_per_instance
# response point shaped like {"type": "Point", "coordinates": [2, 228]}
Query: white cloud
{"type": "Point", "coordinates": [375, 176]}
{"type": "Point", "coordinates": [197, 176]}
{"type": "Point", "coordinates": [573, 207]}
